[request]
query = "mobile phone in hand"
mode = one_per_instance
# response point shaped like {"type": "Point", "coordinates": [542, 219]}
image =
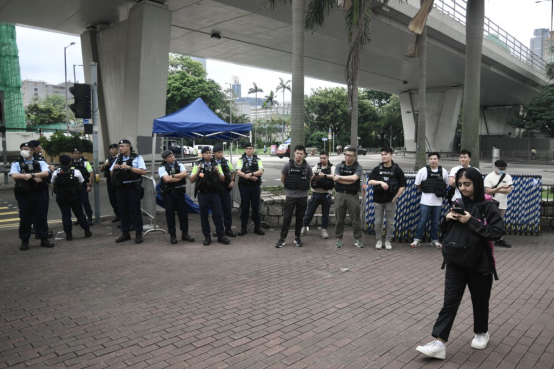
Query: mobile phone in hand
{"type": "Point", "coordinates": [458, 210]}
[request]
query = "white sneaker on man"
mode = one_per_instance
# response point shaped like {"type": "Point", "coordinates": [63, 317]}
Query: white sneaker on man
{"type": "Point", "coordinates": [303, 231]}
{"type": "Point", "coordinates": [388, 246]}
{"type": "Point", "coordinates": [416, 243]}
{"type": "Point", "coordinates": [324, 234]}
{"type": "Point", "coordinates": [436, 244]}
{"type": "Point", "coordinates": [480, 341]}
{"type": "Point", "coordinates": [379, 244]}
{"type": "Point", "coordinates": [435, 349]}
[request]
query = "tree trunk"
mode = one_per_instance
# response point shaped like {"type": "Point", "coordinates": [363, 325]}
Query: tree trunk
{"type": "Point", "coordinates": [475, 22]}
{"type": "Point", "coordinates": [297, 108]}
{"type": "Point", "coordinates": [354, 111]}
{"type": "Point", "coordinates": [421, 119]}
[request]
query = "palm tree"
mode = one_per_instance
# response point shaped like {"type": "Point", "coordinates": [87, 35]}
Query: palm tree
{"type": "Point", "coordinates": [475, 23]}
{"type": "Point", "coordinates": [297, 108]}
{"type": "Point", "coordinates": [357, 19]}
{"type": "Point", "coordinates": [283, 86]}
{"type": "Point", "coordinates": [255, 90]}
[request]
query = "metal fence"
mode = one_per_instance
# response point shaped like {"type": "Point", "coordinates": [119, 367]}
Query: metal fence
{"type": "Point", "coordinates": [494, 33]}
{"type": "Point", "coordinates": [148, 204]}
{"type": "Point", "coordinates": [522, 216]}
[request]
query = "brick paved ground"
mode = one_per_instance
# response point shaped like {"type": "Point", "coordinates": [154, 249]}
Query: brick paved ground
{"type": "Point", "coordinates": [250, 305]}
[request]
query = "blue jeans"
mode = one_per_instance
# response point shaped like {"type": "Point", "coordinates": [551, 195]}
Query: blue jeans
{"type": "Point", "coordinates": [318, 198]}
{"type": "Point", "coordinates": [428, 211]}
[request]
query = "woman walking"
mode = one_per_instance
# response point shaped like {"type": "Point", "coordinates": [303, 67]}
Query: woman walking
{"type": "Point", "coordinates": [469, 260]}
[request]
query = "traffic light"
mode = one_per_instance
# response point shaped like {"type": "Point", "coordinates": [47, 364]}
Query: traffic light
{"type": "Point", "coordinates": [81, 107]}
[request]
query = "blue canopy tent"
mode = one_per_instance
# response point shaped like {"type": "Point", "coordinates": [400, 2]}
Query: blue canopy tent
{"type": "Point", "coordinates": [195, 121]}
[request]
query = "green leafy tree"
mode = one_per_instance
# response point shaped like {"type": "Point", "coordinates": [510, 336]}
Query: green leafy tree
{"type": "Point", "coordinates": [187, 81]}
{"type": "Point", "coordinates": [538, 114]}
{"type": "Point", "coordinates": [327, 108]}
{"type": "Point", "coordinates": [61, 142]}
{"type": "Point", "coordinates": [255, 90]}
{"type": "Point", "coordinates": [283, 86]}
{"type": "Point", "coordinates": [50, 110]}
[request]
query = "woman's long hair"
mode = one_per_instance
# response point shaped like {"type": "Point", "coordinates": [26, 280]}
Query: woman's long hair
{"type": "Point", "coordinates": [478, 187]}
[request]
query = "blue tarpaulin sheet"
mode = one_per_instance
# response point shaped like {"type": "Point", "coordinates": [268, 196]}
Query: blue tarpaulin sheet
{"type": "Point", "coordinates": [196, 121]}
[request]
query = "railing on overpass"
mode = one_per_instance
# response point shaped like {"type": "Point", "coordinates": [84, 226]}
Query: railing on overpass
{"type": "Point", "coordinates": [493, 33]}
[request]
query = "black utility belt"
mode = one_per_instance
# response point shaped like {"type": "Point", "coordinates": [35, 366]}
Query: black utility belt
{"type": "Point", "coordinates": [347, 192]}
{"type": "Point", "coordinates": [131, 185]}
{"type": "Point", "coordinates": [171, 190]}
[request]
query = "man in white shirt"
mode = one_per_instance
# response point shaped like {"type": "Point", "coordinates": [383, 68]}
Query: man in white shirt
{"type": "Point", "coordinates": [499, 184]}
{"type": "Point", "coordinates": [465, 159]}
{"type": "Point", "coordinates": [431, 180]}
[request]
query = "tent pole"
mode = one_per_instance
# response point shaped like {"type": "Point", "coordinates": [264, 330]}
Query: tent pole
{"type": "Point", "coordinates": [231, 157]}
{"type": "Point", "coordinates": [153, 153]}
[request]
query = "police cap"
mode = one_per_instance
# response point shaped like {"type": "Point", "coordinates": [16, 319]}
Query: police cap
{"type": "Point", "coordinates": [218, 148]}
{"type": "Point", "coordinates": [65, 159]}
{"type": "Point", "coordinates": [125, 142]}
{"type": "Point", "coordinates": [34, 143]}
{"type": "Point", "coordinates": [206, 148]}
{"type": "Point", "coordinates": [113, 146]}
{"type": "Point", "coordinates": [248, 144]}
{"type": "Point", "coordinates": [77, 150]}
{"type": "Point", "coordinates": [166, 153]}
{"type": "Point", "coordinates": [26, 144]}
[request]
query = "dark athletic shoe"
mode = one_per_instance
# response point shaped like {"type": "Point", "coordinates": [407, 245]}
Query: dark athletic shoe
{"type": "Point", "coordinates": [124, 237]}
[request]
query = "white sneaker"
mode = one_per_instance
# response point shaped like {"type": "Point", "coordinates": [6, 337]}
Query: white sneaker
{"type": "Point", "coordinates": [416, 243]}
{"type": "Point", "coordinates": [480, 341]}
{"type": "Point", "coordinates": [379, 244]}
{"type": "Point", "coordinates": [388, 246]}
{"type": "Point", "coordinates": [435, 349]}
{"type": "Point", "coordinates": [303, 231]}
{"type": "Point", "coordinates": [436, 244]}
{"type": "Point", "coordinates": [324, 234]}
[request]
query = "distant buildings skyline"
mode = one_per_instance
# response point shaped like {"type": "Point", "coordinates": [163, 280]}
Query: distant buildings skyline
{"type": "Point", "coordinates": [31, 89]}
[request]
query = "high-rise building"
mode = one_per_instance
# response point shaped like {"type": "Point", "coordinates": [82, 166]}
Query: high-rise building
{"type": "Point", "coordinates": [538, 42]}
{"type": "Point", "coordinates": [549, 48]}
{"type": "Point", "coordinates": [235, 85]}
{"type": "Point", "coordinates": [40, 89]}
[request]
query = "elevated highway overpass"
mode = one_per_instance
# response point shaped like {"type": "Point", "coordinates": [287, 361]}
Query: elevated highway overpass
{"type": "Point", "coordinates": [131, 40]}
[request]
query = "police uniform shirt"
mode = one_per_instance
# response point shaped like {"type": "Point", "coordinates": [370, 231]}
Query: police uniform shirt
{"type": "Point", "coordinates": [77, 175]}
{"type": "Point", "coordinates": [457, 194]}
{"type": "Point", "coordinates": [320, 190]}
{"type": "Point", "coordinates": [239, 162]}
{"type": "Point", "coordinates": [15, 168]}
{"type": "Point", "coordinates": [229, 164]}
{"type": "Point", "coordinates": [206, 164]}
{"type": "Point", "coordinates": [491, 180]}
{"type": "Point", "coordinates": [430, 199]}
{"type": "Point", "coordinates": [137, 162]}
{"type": "Point", "coordinates": [163, 172]}
{"type": "Point", "coordinates": [88, 167]}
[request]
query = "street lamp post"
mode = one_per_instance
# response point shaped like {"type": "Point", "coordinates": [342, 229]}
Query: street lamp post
{"type": "Point", "coordinates": [74, 75]}
{"type": "Point", "coordinates": [65, 71]}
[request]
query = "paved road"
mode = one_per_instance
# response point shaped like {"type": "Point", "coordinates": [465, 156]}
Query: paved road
{"type": "Point", "coordinates": [92, 303]}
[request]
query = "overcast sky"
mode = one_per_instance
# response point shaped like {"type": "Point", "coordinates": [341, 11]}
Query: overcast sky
{"type": "Point", "coordinates": [39, 62]}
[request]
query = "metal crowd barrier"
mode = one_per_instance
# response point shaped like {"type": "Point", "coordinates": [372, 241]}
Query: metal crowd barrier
{"type": "Point", "coordinates": [148, 204]}
{"type": "Point", "coordinates": [522, 216]}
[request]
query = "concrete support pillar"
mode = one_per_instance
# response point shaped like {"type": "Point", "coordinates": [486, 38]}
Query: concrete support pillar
{"type": "Point", "coordinates": [443, 108]}
{"type": "Point", "coordinates": [133, 58]}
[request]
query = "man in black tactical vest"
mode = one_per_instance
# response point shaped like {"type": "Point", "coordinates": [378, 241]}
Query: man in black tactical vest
{"type": "Point", "coordinates": [209, 177]}
{"type": "Point", "coordinates": [126, 172]}
{"type": "Point", "coordinates": [67, 182]}
{"type": "Point", "coordinates": [296, 176]}
{"type": "Point", "coordinates": [431, 180]}
{"type": "Point", "coordinates": [227, 187]}
{"type": "Point", "coordinates": [82, 165]}
{"type": "Point", "coordinates": [29, 188]}
{"type": "Point", "coordinates": [37, 153]}
{"type": "Point", "coordinates": [173, 178]}
{"type": "Point", "coordinates": [347, 179]}
{"type": "Point", "coordinates": [250, 170]}
{"type": "Point", "coordinates": [322, 187]}
{"type": "Point", "coordinates": [388, 183]}
{"type": "Point", "coordinates": [114, 150]}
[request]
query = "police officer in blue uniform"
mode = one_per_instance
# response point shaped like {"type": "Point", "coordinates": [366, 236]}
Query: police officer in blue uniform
{"type": "Point", "coordinates": [173, 178]}
{"type": "Point", "coordinates": [29, 175]}
{"type": "Point", "coordinates": [37, 153]}
{"type": "Point", "coordinates": [126, 172]}
{"type": "Point", "coordinates": [82, 165]}
{"type": "Point", "coordinates": [114, 151]}
{"type": "Point", "coordinates": [209, 177]}
{"type": "Point", "coordinates": [250, 170]}
{"type": "Point", "coordinates": [227, 187]}
{"type": "Point", "coordinates": [67, 183]}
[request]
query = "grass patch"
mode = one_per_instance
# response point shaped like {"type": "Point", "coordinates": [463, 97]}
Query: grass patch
{"type": "Point", "coordinates": [275, 190]}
